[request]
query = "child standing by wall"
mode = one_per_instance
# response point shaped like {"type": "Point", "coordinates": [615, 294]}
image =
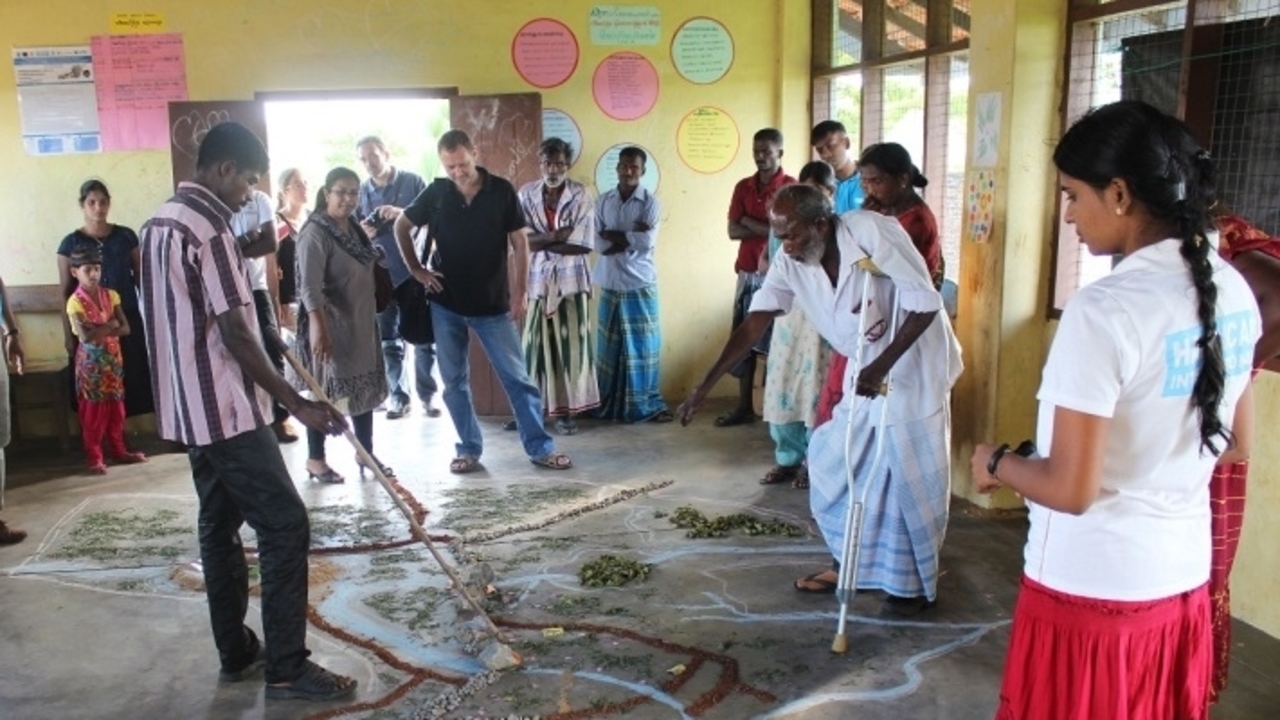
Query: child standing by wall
{"type": "Point", "coordinates": [99, 322]}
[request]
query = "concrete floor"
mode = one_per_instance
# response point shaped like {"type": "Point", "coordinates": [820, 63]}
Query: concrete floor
{"type": "Point", "coordinates": [94, 624]}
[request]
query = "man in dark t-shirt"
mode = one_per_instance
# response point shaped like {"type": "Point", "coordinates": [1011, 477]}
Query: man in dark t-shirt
{"type": "Point", "coordinates": [472, 218]}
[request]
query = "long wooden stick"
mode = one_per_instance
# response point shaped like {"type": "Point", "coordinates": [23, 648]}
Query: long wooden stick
{"type": "Point", "coordinates": [370, 462]}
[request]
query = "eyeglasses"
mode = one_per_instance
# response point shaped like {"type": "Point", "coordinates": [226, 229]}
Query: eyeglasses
{"type": "Point", "coordinates": [345, 193]}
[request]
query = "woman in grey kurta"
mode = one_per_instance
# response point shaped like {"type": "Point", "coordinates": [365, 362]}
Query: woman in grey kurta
{"type": "Point", "coordinates": [338, 338]}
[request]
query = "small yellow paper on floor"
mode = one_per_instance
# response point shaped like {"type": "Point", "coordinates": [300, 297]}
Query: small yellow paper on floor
{"type": "Point", "coordinates": [676, 669]}
{"type": "Point", "coordinates": [552, 632]}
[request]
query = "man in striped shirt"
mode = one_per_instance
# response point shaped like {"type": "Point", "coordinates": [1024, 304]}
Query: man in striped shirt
{"type": "Point", "coordinates": [212, 383]}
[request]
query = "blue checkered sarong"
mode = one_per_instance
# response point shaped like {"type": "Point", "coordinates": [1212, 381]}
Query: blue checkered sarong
{"type": "Point", "coordinates": [905, 517]}
{"type": "Point", "coordinates": [627, 361]}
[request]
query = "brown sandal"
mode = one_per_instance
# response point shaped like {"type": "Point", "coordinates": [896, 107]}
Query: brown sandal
{"type": "Point", "coordinates": [802, 478]}
{"type": "Point", "coordinates": [553, 461]}
{"type": "Point", "coordinates": [780, 474]}
{"type": "Point", "coordinates": [464, 464]}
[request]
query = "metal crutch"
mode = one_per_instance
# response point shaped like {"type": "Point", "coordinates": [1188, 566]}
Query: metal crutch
{"type": "Point", "coordinates": [846, 586]}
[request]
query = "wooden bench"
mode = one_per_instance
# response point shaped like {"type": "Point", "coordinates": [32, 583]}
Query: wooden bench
{"type": "Point", "coordinates": [44, 386]}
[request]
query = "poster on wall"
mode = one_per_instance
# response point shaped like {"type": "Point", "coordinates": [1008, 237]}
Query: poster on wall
{"type": "Point", "coordinates": [607, 170]}
{"type": "Point", "coordinates": [986, 130]}
{"type": "Point", "coordinates": [707, 140]}
{"type": "Point", "coordinates": [702, 50]}
{"type": "Point", "coordinates": [545, 53]}
{"type": "Point", "coordinates": [625, 25]}
{"type": "Point", "coordinates": [56, 100]}
{"type": "Point", "coordinates": [127, 23]}
{"type": "Point", "coordinates": [979, 204]}
{"type": "Point", "coordinates": [138, 76]}
{"type": "Point", "coordinates": [625, 86]}
{"type": "Point", "coordinates": [559, 124]}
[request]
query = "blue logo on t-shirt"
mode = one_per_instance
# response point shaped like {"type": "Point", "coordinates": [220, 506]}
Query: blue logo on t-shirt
{"type": "Point", "coordinates": [1182, 354]}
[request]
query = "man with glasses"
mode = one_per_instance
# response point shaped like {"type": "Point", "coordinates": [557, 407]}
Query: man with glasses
{"type": "Point", "coordinates": [382, 198]}
{"type": "Point", "coordinates": [558, 344]}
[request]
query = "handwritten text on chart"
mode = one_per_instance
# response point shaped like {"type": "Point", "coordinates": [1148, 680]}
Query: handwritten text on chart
{"type": "Point", "coordinates": [625, 25]}
{"type": "Point", "coordinates": [124, 23]}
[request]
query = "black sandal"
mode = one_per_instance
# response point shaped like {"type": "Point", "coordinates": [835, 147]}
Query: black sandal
{"type": "Point", "coordinates": [737, 417]}
{"type": "Point", "coordinates": [315, 683]}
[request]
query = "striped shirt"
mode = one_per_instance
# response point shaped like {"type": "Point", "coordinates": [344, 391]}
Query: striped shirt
{"type": "Point", "coordinates": [570, 274]}
{"type": "Point", "coordinates": [193, 271]}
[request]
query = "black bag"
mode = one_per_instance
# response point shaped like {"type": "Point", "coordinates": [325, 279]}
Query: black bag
{"type": "Point", "coordinates": [415, 313]}
{"type": "Point", "coordinates": [383, 292]}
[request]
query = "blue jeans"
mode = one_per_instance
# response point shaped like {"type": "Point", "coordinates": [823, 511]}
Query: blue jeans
{"type": "Point", "coordinates": [497, 333]}
{"type": "Point", "coordinates": [424, 358]}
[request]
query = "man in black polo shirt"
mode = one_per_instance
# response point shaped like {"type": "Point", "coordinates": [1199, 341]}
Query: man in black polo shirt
{"type": "Point", "coordinates": [472, 219]}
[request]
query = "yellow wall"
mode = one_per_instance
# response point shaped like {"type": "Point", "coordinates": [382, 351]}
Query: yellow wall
{"type": "Point", "coordinates": [235, 48]}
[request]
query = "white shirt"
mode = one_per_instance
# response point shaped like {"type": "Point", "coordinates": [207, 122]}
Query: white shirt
{"type": "Point", "coordinates": [1126, 350]}
{"type": "Point", "coordinates": [923, 376]}
{"type": "Point", "coordinates": [633, 268]}
{"type": "Point", "coordinates": [257, 211]}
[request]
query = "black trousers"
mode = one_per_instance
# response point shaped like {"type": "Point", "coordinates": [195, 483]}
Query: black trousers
{"type": "Point", "coordinates": [268, 326]}
{"type": "Point", "coordinates": [361, 425]}
{"type": "Point", "coordinates": [244, 479]}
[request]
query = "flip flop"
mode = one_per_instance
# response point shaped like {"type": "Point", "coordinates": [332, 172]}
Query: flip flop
{"type": "Point", "coordinates": [825, 587]}
{"type": "Point", "coordinates": [663, 416]}
{"type": "Point", "coordinates": [737, 417]}
{"type": "Point", "coordinates": [553, 461]}
{"type": "Point", "coordinates": [780, 474]}
{"type": "Point", "coordinates": [802, 478]}
{"type": "Point", "coordinates": [464, 464]}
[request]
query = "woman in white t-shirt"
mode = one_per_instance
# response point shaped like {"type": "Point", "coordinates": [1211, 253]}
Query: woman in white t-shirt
{"type": "Point", "coordinates": [1145, 390]}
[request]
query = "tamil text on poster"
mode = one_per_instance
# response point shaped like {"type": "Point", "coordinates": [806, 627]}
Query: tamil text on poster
{"type": "Point", "coordinates": [138, 76]}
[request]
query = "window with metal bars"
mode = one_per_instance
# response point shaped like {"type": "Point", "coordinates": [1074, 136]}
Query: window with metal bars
{"type": "Point", "coordinates": [898, 71]}
{"type": "Point", "coordinates": [1213, 63]}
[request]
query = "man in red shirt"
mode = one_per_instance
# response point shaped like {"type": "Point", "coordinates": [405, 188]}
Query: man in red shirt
{"type": "Point", "coordinates": [749, 227]}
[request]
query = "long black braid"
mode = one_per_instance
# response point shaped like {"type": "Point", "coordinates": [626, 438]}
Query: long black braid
{"type": "Point", "coordinates": [1173, 177]}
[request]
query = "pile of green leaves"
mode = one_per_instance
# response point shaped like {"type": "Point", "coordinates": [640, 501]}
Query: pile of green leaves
{"type": "Point", "coordinates": [612, 571]}
{"type": "Point", "coordinates": [700, 526]}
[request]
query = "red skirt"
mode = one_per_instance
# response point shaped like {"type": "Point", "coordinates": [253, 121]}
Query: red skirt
{"type": "Point", "coordinates": [1077, 658]}
{"type": "Point", "coordinates": [1226, 498]}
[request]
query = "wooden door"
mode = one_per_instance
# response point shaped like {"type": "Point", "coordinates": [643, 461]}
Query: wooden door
{"type": "Point", "coordinates": [506, 131]}
{"type": "Point", "coordinates": [189, 122]}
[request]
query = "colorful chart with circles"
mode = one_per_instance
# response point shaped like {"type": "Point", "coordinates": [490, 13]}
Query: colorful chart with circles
{"type": "Point", "coordinates": [558, 124]}
{"type": "Point", "coordinates": [607, 170]}
{"type": "Point", "coordinates": [545, 52]}
{"type": "Point", "coordinates": [625, 86]}
{"type": "Point", "coordinates": [707, 140]}
{"type": "Point", "coordinates": [702, 50]}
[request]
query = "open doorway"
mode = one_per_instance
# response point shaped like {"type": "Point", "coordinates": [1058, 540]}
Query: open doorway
{"type": "Point", "coordinates": [316, 136]}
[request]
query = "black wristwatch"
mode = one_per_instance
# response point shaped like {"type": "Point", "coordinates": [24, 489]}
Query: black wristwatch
{"type": "Point", "coordinates": [994, 461]}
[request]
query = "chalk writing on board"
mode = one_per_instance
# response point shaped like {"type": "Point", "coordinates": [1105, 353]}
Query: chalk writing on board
{"type": "Point", "coordinates": [189, 130]}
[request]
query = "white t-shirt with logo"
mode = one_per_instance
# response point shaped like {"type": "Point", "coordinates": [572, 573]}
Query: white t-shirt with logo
{"type": "Point", "coordinates": [257, 211]}
{"type": "Point", "coordinates": [1126, 350]}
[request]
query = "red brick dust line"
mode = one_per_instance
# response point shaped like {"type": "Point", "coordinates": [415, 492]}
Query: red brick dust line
{"type": "Point", "coordinates": [417, 675]}
{"type": "Point", "coordinates": [727, 683]}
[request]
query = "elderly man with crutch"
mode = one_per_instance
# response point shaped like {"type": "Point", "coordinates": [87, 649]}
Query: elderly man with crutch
{"type": "Point", "coordinates": [883, 462]}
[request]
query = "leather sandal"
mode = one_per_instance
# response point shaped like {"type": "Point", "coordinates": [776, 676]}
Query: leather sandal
{"type": "Point", "coordinates": [315, 683]}
{"type": "Point", "coordinates": [553, 461]}
{"type": "Point", "coordinates": [464, 464]}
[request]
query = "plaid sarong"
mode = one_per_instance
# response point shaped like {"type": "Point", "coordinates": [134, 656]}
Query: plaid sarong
{"type": "Point", "coordinates": [905, 517]}
{"type": "Point", "coordinates": [1226, 498]}
{"type": "Point", "coordinates": [627, 364]}
{"type": "Point", "coordinates": [559, 355]}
